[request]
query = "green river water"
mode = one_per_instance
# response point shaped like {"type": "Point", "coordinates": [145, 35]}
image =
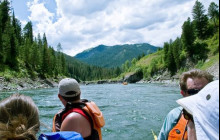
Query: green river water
{"type": "Point", "coordinates": [130, 112]}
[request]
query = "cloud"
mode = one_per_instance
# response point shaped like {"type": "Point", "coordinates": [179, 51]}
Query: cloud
{"type": "Point", "coordinates": [139, 23]}
{"type": "Point", "coordinates": [80, 7]}
{"type": "Point", "coordinates": [40, 16]}
{"type": "Point", "coordinates": [82, 24]}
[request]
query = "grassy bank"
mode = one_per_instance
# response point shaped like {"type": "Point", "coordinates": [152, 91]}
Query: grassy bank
{"type": "Point", "coordinates": [154, 65]}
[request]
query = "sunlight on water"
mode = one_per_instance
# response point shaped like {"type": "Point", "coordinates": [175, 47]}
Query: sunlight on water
{"type": "Point", "coordinates": [130, 111]}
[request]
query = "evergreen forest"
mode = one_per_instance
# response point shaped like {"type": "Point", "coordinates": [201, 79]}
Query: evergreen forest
{"type": "Point", "coordinates": [197, 47]}
{"type": "Point", "coordinates": [23, 55]}
{"type": "Point", "coordinates": [191, 46]}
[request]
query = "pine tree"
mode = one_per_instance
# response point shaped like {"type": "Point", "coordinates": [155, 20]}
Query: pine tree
{"type": "Point", "coordinates": [213, 13]}
{"type": "Point", "coordinates": [45, 56]}
{"type": "Point", "coordinates": [13, 63]}
{"type": "Point", "coordinates": [4, 18]}
{"type": "Point", "coordinates": [200, 19]}
{"type": "Point", "coordinates": [117, 71]}
{"type": "Point", "coordinates": [127, 65]}
{"type": "Point", "coordinates": [63, 63]}
{"type": "Point", "coordinates": [34, 58]}
{"type": "Point", "coordinates": [17, 29]}
{"type": "Point", "coordinates": [169, 57]}
{"type": "Point", "coordinates": [1, 46]}
{"type": "Point", "coordinates": [188, 37]}
{"type": "Point", "coordinates": [28, 32]}
{"type": "Point", "coordinates": [201, 51]}
{"type": "Point", "coordinates": [134, 61]}
{"type": "Point", "coordinates": [8, 40]}
{"type": "Point", "coordinates": [52, 65]}
{"type": "Point", "coordinates": [177, 47]}
{"type": "Point", "coordinates": [166, 50]}
{"type": "Point", "coordinates": [5, 9]}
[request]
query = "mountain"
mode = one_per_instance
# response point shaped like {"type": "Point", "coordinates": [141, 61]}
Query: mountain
{"type": "Point", "coordinates": [114, 56]}
{"type": "Point", "coordinates": [85, 72]}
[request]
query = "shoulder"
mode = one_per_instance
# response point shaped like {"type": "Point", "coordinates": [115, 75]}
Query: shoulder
{"type": "Point", "coordinates": [175, 113]}
{"type": "Point", "coordinates": [74, 118]}
{"type": "Point", "coordinates": [169, 122]}
{"type": "Point", "coordinates": [78, 123]}
{"type": "Point", "coordinates": [172, 117]}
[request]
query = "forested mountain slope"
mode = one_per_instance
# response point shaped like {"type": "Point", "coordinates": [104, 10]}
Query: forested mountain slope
{"type": "Point", "coordinates": [114, 56]}
{"type": "Point", "coordinates": [22, 55]}
{"type": "Point", "coordinates": [196, 48]}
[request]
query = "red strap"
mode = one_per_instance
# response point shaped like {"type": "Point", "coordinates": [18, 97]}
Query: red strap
{"type": "Point", "coordinates": [76, 110]}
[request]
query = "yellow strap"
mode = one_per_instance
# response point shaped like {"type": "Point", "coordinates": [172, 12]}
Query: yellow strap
{"type": "Point", "coordinates": [154, 135]}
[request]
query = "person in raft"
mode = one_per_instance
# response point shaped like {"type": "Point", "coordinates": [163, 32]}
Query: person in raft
{"type": "Point", "coordinates": [19, 118]}
{"type": "Point", "coordinates": [175, 125]}
{"type": "Point", "coordinates": [79, 115]}
{"type": "Point", "coordinates": [202, 112]}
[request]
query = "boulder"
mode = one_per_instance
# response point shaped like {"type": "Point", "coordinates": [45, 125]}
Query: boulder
{"type": "Point", "coordinates": [133, 78]}
{"type": "Point", "coordinates": [49, 83]}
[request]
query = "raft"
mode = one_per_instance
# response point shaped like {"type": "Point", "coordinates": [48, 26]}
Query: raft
{"type": "Point", "coordinates": [125, 83]}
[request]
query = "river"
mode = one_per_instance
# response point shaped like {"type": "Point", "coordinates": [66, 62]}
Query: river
{"type": "Point", "coordinates": [130, 112]}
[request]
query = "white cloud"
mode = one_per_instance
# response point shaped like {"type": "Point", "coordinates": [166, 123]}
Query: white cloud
{"type": "Point", "coordinates": [82, 24]}
{"type": "Point", "coordinates": [80, 7]}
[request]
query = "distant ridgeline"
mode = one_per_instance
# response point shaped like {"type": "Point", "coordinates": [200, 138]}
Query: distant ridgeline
{"type": "Point", "coordinates": [114, 56]}
{"type": "Point", "coordinates": [23, 55]}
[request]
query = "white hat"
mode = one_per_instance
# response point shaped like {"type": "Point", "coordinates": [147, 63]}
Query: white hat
{"type": "Point", "coordinates": [204, 107]}
{"type": "Point", "coordinates": [69, 87]}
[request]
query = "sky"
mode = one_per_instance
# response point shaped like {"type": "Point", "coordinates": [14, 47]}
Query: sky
{"type": "Point", "coordinates": [82, 24]}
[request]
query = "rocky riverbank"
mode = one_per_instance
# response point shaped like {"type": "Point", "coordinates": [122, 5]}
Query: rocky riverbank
{"type": "Point", "coordinates": [16, 84]}
{"type": "Point", "coordinates": [164, 77]}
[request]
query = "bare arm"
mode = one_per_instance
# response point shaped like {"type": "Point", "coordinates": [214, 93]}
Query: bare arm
{"type": "Point", "coordinates": [191, 131]}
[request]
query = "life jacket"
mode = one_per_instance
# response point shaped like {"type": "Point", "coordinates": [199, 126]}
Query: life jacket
{"type": "Point", "coordinates": [89, 110]}
{"type": "Point", "coordinates": [179, 132]}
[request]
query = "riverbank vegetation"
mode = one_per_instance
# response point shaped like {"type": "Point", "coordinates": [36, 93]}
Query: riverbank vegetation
{"type": "Point", "coordinates": [23, 55]}
{"type": "Point", "coordinates": [197, 47]}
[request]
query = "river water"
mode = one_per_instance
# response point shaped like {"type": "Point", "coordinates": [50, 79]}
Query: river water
{"type": "Point", "coordinates": [130, 112]}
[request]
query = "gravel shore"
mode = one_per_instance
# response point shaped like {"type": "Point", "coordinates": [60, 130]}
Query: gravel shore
{"type": "Point", "coordinates": [25, 83]}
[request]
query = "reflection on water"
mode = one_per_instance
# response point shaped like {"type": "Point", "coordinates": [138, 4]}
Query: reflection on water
{"type": "Point", "coordinates": [130, 111]}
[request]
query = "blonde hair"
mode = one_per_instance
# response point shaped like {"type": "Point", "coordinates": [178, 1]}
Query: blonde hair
{"type": "Point", "coordinates": [19, 118]}
{"type": "Point", "coordinates": [194, 74]}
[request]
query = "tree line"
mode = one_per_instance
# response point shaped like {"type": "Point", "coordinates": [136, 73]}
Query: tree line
{"type": "Point", "coordinates": [190, 47]}
{"type": "Point", "coordinates": [21, 52]}
{"type": "Point", "coordinates": [185, 51]}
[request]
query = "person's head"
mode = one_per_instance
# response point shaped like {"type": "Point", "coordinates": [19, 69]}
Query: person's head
{"type": "Point", "coordinates": [204, 108]}
{"type": "Point", "coordinates": [193, 81]}
{"type": "Point", "coordinates": [69, 90]}
{"type": "Point", "coordinates": [19, 118]}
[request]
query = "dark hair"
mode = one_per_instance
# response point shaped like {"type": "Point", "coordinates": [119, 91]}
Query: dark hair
{"type": "Point", "coordinates": [71, 99]}
{"type": "Point", "coordinates": [194, 74]}
{"type": "Point", "coordinates": [19, 118]}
